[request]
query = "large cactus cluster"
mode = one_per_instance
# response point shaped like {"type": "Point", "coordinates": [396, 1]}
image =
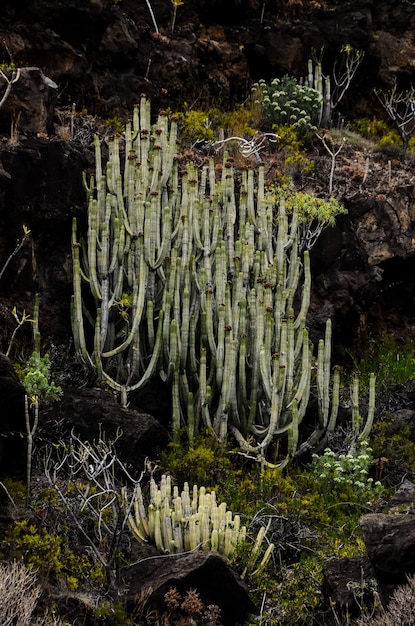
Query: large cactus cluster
{"type": "Point", "coordinates": [192, 275]}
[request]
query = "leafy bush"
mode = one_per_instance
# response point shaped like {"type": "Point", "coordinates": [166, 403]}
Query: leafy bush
{"type": "Point", "coordinates": [284, 102]}
{"type": "Point", "coordinates": [49, 554]}
{"type": "Point", "coordinates": [370, 128]}
{"type": "Point", "coordinates": [196, 125]}
{"type": "Point", "coordinates": [292, 157]}
{"type": "Point", "coordinates": [347, 472]}
{"type": "Point", "coordinates": [390, 140]}
{"type": "Point", "coordinates": [314, 214]}
{"type": "Point", "coordinates": [203, 463]}
{"type": "Point", "coordinates": [203, 124]}
{"type": "Point", "coordinates": [37, 381]}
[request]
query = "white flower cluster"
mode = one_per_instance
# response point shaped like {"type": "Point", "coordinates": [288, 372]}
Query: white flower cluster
{"type": "Point", "coordinates": [351, 469]}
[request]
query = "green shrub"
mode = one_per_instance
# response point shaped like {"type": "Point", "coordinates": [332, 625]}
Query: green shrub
{"type": "Point", "coordinates": [390, 140]}
{"type": "Point", "coordinates": [37, 380]}
{"type": "Point", "coordinates": [206, 462]}
{"type": "Point", "coordinates": [14, 490]}
{"type": "Point", "coordinates": [370, 128]}
{"type": "Point", "coordinates": [393, 451]}
{"type": "Point", "coordinates": [50, 555]}
{"type": "Point", "coordinates": [347, 475]}
{"type": "Point", "coordinates": [284, 102]}
{"type": "Point", "coordinates": [204, 124]}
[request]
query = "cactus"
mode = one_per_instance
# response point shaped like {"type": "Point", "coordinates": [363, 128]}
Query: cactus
{"type": "Point", "coordinates": [180, 522]}
{"type": "Point", "coordinates": [332, 88]}
{"type": "Point", "coordinates": [201, 281]}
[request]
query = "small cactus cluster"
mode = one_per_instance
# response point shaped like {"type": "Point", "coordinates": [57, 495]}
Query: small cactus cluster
{"type": "Point", "coordinates": [180, 522]}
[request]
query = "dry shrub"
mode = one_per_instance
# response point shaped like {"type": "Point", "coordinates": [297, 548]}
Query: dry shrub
{"type": "Point", "coordinates": [19, 594]}
{"type": "Point", "coordinates": [400, 610]}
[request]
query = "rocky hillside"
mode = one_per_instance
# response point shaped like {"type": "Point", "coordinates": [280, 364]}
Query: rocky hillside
{"type": "Point", "coordinates": [104, 53]}
{"type": "Point", "coordinates": [100, 56]}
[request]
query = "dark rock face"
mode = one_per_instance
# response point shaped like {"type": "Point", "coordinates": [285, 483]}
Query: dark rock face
{"type": "Point", "coordinates": [103, 54]}
{"type": "Point", "coordinates": [92, 413]}
{"type": "Point", "coordinates": [207, 572]}
{"type": "Point", "coordinates": [341, 579]}
{"type": "Point", "coordinates": [41, 188]}
{"type": "Point", "coordinates": [30, 102]}
{"type": "Point", "coordinates": [12, 421]}
{"type": "Point", "coordinates": [390, 545]}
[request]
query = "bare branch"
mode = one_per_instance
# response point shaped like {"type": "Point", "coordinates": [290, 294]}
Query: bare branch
{"type": "Point", "coordinates": [10, 81]}
{"type": "Point", "coordinates": [90, 479]}
{"type": "Point", "coordinates": [400, 106]}
{"type": "Point", "coordinates": [248, 147]}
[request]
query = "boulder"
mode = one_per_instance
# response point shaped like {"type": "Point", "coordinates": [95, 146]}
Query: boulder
{"type": "Point", "coordinates": [206, 572]}
{"type": "Point", "coordinates": [92, 413]}
{"type": "Point", "coordinates": [29, 106]}
{"type": "Point", "coordinates": [390, 545]}
{"type": "Point", "coordinates": [404, 498]}
{"type": "Point", "coordinates": [348, 583]}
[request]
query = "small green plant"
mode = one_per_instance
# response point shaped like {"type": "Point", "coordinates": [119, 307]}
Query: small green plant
{"type": "Point", "coordinates": [314, 214]}
{"type": "Point", "coordinates": [238, 121]}
{"type": "Point", "coordinates": [370, 128]}
{"type": "Point", "coordinates": [37, 380]}
{"type": "Point", "coordinates": [203, 463]}
{"type": "Point", "coordinates": [389, 140]}
{"type": "Point", "coordinates": [197, 124]}
{"type": "Point", "coordinates": [290, 160]}
{"type": "Point", "coordinates": [393, 451]}
{"type": "Point", "coordinates": [115, 125]}
{"type": "Point", "coordinates": [40, 389]}
{"type": "Point", "coordinates": [14, 491]}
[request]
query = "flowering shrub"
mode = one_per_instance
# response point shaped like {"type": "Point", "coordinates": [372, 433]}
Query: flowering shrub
{"type": "Point", "coordinates": [347, 472]}
{"type": "Point", "coordinates": [285, 102]}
